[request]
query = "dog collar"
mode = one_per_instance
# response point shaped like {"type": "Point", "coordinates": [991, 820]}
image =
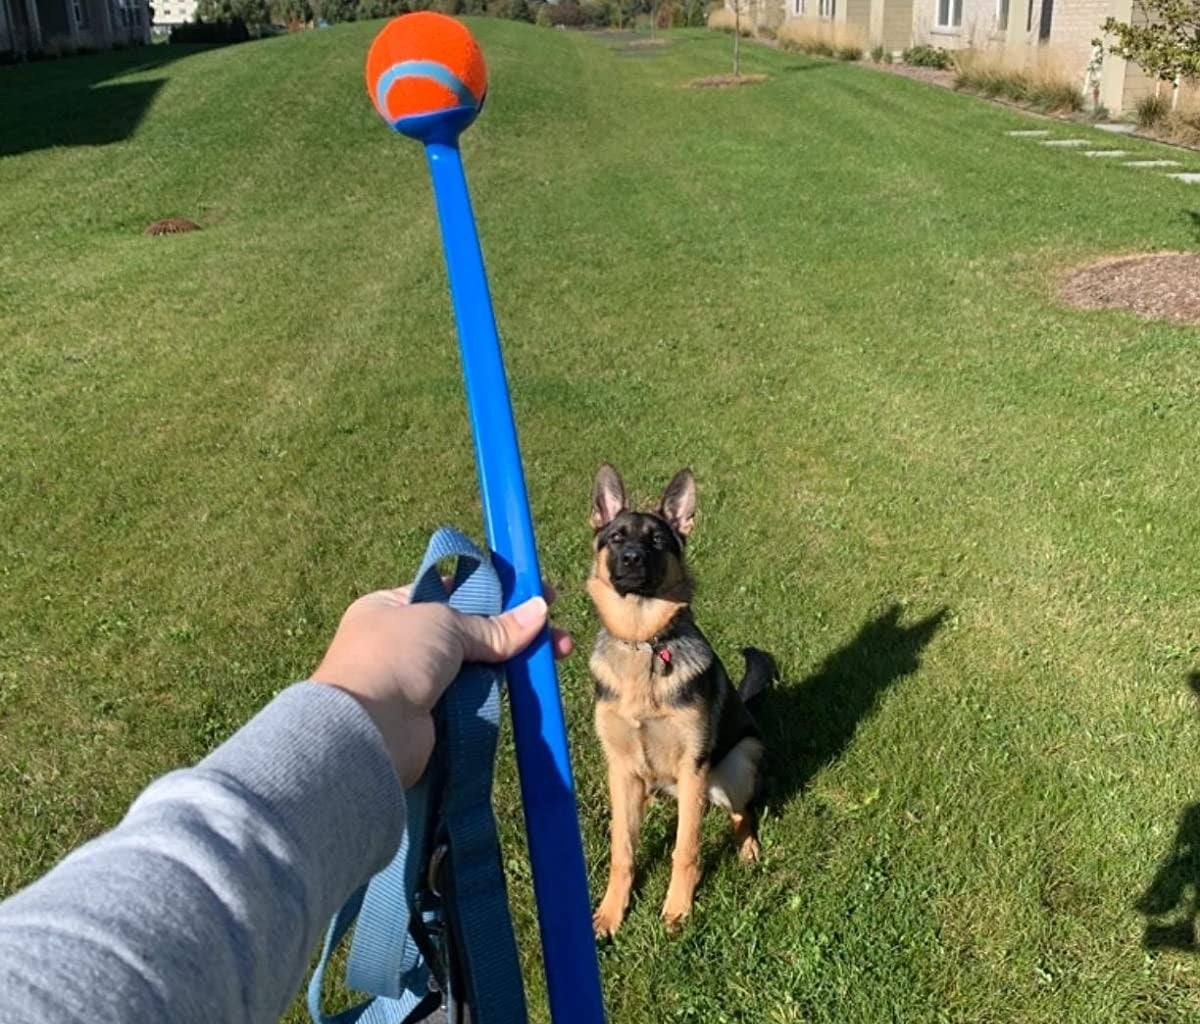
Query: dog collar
{"type": "Point", "coordinates": [655, 645]}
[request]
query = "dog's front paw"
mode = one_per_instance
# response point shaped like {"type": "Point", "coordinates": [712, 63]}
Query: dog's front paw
{"type": "Point", "coordinates": [675, 912]}
{"type": "Point", "coordinates": [749, 851]}
{"type": "Point", "coordinates": [607, 920]}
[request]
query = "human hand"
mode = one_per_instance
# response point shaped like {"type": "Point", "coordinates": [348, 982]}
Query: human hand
{"type": "Point", "coordinates": [396, 659]}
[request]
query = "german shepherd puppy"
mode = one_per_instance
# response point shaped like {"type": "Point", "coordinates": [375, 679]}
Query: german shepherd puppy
{"type": "Point", "coordinates": [667, 715]}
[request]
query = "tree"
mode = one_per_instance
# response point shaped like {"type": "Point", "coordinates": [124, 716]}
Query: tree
{"type": "Point", "coordinates": [519, 11]}
{"type": "Point", "coordinates": [739, 7]}
{"type": "Point", "coordinates": [1167, 45]}
{"type": "Point", "coordinates": [252, 12]}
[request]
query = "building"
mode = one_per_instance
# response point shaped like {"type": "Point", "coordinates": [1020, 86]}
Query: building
{"type": "Point", "coordinates": [1057, 34]}
{"type": "Point", "coordinates": [169, 13]}
{"type": "Point", "coordinates": [29, 27]}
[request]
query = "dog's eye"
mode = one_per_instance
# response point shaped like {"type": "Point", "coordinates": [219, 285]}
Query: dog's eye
{"type": "Point", "coordinates": [616, 537]}
{"type": "Point", "coordinates": [659, 540]}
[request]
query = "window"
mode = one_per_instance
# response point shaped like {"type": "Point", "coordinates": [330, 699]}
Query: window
{"type": "Point", "coordinates": [826, 8]}
{"type": "Point", "coordinates": [81, 12]}
{"type": "Point", "coordinates": [1001, 15]}
{"type": "Point", "coordinates": [797, 7]}
{"type": "Point", "coordinates": [949, 13]}
{"type": "Point", "coordinates": [1029, 17]}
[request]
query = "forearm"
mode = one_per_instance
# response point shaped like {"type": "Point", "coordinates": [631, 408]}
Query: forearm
{"type": "Point", "coordinates": [206, 902]}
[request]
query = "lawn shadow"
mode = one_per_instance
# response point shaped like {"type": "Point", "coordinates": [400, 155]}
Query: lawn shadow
{"type": "Point", "coordinates": [71, 102]}
{"type": "Point", "coordinates": [1171, 903]}
{"type": "Point", "coordinates": [814, 66]}
{"type": "Point", "coordinates": [1193, 217]}
{"type": "Point", "coordinates": [808, 724]}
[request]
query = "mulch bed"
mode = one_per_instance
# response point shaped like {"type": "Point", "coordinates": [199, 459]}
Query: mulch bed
{"type": "Point", "coordinates": [1160, 285]}
{"type": "Point", "coordinates": [172, 226]}
{"type": "Point", "coordinates": [726, 81]}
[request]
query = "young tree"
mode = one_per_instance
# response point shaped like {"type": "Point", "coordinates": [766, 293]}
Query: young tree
{"type": "Point", "coordinates": [1167, 43]}
{"type": "Point", "coordinates": [739, 7]}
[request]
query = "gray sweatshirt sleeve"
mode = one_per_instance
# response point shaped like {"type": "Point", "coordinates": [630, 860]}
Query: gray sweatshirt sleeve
{"type": "Point", "coordinates": [206, 902]}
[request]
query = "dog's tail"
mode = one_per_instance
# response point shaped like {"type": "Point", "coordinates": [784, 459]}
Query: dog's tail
{"type": "Point", "coordinates": [760, 671]}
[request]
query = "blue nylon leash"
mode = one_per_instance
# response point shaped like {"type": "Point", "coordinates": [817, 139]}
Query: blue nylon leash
{"type": "Point", "coordinates": [449, 844]}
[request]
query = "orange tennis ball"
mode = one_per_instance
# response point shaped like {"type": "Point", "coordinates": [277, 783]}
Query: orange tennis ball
{"type": "Point", "coordinates": [423, 65]}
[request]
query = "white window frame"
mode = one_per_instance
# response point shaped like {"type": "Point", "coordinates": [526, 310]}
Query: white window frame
{"type": "Point", "coordinates": [1003, 12]}
{"type": "Point", "coordinates": [827, 9]}
{"type": "Point", "coordinates": [951, 11]}
{"type": "Point", "coordinates": [797, 8]}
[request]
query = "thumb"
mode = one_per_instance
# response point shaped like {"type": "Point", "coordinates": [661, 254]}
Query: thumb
{"type": "Point", "coordinates": [499, 637]}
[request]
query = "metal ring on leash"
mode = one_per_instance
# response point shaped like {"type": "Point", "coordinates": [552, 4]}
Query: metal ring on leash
{"type": "Point", "coordinates": [435, 865]}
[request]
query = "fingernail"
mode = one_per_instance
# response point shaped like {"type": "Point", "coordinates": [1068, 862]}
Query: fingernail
{"type": "Point", "coordinates": [530, 613]}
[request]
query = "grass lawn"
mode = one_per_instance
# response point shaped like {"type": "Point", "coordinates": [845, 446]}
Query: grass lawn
{"type": "Point", "coordinates": [962, 517]}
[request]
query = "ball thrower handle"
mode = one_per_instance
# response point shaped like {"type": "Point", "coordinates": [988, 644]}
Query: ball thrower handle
{"type": "Point", "coordinates": [539, 731]}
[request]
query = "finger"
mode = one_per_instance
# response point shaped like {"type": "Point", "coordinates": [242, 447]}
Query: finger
{"type": "Point", "coordinates": [499, 637]}
{"type": "Point", "coordinates": [562, 642]}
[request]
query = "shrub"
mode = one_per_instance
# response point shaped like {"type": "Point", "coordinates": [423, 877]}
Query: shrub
{"type": "Point", "coordinates": [1184, 126]}
{"type": "Point", "coordinates": [822, 38]}
{"type": "Point", "coordinates": [924, 56]}
{"type": "Point", "coordinates": [568, 14]}
{"type": "Point", "coordinates": [366, 10]}
{"type": "Point", "coordinates": [217, 33]}
{"type": "Point", "coordinates": [1152, 111]}
{"type": "Point", "coordinates": [596, 12]}
{"type": "Point", "coordinates": [1055, 95]}
{"type": "Point", "coordinates": [1039, 82]}
{"type": "Point", "coordinates": [724, 20]}
{"type": "Point", "coordinates": [877, 54]}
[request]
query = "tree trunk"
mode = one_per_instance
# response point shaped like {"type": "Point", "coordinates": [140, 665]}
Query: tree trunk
{"type": "Point", "coordinates": [737, 37]}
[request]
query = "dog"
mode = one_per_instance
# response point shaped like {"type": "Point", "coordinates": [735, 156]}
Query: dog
{"type": "Point", "coordinates": [668, 718]}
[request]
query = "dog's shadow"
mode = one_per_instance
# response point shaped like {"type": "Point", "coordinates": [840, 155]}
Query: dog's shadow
{"type": "Point", "coordinates": [809, 723]}
{"type": "Point", "coordinates": [1171, 903]}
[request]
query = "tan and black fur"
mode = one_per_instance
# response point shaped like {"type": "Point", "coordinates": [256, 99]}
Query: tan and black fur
{"type": "Point", "coordinates": [668, 717]}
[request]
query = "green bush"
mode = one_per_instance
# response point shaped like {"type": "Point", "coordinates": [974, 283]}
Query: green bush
{"type": "Point", "coordinates": [367, 10]}
{"type": "Point", "coordinates": [848, 53]}
{"type": "Point", "coordinates": [568, 14]}
{"type": "Point", "coordinates": [1152, 111]}
{"type": "Point", "coordinates": [218, 33]}
{"type": "Point", "coordinates": [924, 56]}
{"type": "Point", "coordinates": [596, 12]}
{"type": "Point", "coordinates": [1041, 90]}
{"type": "Point", "coordinates": [879, 55]}
{"type": "Point", "coordinates": [1060, 95]}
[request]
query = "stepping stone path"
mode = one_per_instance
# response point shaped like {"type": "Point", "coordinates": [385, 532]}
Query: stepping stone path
{"type": "Point", "coordinates": [1038, 135]}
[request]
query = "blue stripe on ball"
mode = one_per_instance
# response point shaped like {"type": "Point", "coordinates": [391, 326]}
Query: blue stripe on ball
{"type": "Point", "coordinates": [423, 69]}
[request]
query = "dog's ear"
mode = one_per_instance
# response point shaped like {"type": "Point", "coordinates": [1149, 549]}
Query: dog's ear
{"type": "Point", "coordinates": [678, 505]}
{"type": "Point", "coordinates": [608, 496]}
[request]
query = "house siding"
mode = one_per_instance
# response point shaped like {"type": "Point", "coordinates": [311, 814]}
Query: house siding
{"type": "Point", "coordinates": [30, 27]}
{"type": "Point", "coordinates": [895, 25]}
